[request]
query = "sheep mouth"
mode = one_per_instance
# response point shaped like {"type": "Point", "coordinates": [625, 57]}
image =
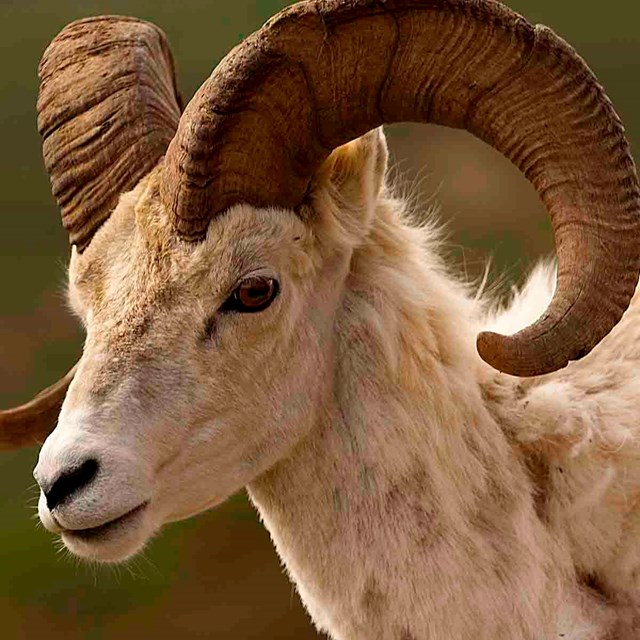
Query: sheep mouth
{"type": "Point", "coordinates": [102, 531]}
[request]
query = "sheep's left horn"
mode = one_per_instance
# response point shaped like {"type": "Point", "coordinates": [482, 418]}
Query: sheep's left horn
{"type": "Point", "coordinates": [324, 72]}
{"type": "Point", "coordinates": [30, 424]}
{"type": "Point", "coordinates": [107, 110]}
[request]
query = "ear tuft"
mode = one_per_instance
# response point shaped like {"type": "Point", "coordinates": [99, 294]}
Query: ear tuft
{"type": "Point", "coordinates": [355, 172]}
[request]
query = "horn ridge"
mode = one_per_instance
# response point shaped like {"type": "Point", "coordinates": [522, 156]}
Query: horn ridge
{"type": "Point", "coordinates": [313, 77]}
{"type": "Point", "coordinates": [108, 107]}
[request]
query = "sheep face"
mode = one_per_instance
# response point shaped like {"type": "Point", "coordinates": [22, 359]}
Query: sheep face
{"type": "Point", "coordinates": [182, 396]}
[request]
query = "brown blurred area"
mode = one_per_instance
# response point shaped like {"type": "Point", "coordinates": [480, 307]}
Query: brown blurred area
{"type": "Point", "coordinates": [217, 576]}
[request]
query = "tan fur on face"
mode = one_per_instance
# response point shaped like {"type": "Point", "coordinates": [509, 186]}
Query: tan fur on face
{"type": "Point", "coordinates": [166, 378]}
{"type": "Point", "coordinates": [411, 491]}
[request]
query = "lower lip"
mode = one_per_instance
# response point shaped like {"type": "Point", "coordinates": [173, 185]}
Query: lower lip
{"type": "Point", "coordinates": [96, 533]}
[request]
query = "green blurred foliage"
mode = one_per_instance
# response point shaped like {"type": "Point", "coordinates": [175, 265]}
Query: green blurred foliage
{"type": "Point", "coordinates": [216, 576]}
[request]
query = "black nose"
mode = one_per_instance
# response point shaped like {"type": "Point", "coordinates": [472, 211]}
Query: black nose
{"type": "Point", "coordinates": [70, 481]}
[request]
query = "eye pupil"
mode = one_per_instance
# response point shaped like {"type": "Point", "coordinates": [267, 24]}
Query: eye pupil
{"type": "Point", "coordinates": [255, 294]}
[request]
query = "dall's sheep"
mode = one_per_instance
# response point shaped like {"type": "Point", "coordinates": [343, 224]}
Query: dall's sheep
{"type": "Point", "coordinates": [260, 312]}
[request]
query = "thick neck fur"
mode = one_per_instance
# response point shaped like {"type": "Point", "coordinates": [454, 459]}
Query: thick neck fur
{"type": "Point", "coordinates": [406, 513]}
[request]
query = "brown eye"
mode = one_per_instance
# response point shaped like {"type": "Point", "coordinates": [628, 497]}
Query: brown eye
{"type": "Point", "coordinates": [253, 295]}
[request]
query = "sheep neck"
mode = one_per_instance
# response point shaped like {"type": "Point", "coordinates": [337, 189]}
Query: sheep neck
{"type": "Point", "coordinates": [405, 513]}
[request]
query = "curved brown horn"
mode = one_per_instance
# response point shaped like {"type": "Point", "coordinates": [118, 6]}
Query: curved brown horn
{"type": "Point", "coordinates": [322, 73]}
{"type": "Point", "coordinates": [108, 108]}
{"type": "Point", "coordinates": [30, 424]}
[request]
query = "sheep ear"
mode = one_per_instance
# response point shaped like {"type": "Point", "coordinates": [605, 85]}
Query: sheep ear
{"type": "Point", "coordinates": [354, 174]}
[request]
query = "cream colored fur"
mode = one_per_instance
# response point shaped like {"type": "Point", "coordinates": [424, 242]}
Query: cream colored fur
{"type": "Point", "coordinates": [412, 492]}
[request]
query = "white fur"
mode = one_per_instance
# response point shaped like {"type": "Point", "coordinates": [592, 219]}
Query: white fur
{"type": "Point", "coordinates": [412, 491]}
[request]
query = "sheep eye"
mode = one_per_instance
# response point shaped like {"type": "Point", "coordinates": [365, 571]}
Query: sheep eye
{"type": "Point", "coordinates": [252, 295]}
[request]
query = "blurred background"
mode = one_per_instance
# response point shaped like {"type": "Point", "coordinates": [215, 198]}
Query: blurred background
{"type": "Point", "coordinates": [216, 576]}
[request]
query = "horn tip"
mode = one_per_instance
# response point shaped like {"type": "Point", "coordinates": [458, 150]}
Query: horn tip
{"type": "Point", "coordinates": [511, 355]}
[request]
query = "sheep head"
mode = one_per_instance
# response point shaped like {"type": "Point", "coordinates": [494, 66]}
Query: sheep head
{"type": "Point", "coordinates": [234, 209]}
{"type": "Point", "coordinates": [204, 364]}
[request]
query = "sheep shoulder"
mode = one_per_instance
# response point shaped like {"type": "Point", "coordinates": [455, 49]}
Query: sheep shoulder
{"type": "Point", "coordinates": [579, 435]}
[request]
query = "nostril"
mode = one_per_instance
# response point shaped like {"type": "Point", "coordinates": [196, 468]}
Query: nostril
{"type": "Point", "coordinates": [70, 481]}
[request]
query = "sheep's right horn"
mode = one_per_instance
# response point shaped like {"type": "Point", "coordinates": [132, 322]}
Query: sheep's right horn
{"type": "Point", "coordinates": [108, 108]}
{"type": "Point", "coordinates": [30, 424]}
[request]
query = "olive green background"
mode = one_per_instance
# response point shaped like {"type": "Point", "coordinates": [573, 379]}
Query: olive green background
{"type": "Point", "coordinates": [216, 576]}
